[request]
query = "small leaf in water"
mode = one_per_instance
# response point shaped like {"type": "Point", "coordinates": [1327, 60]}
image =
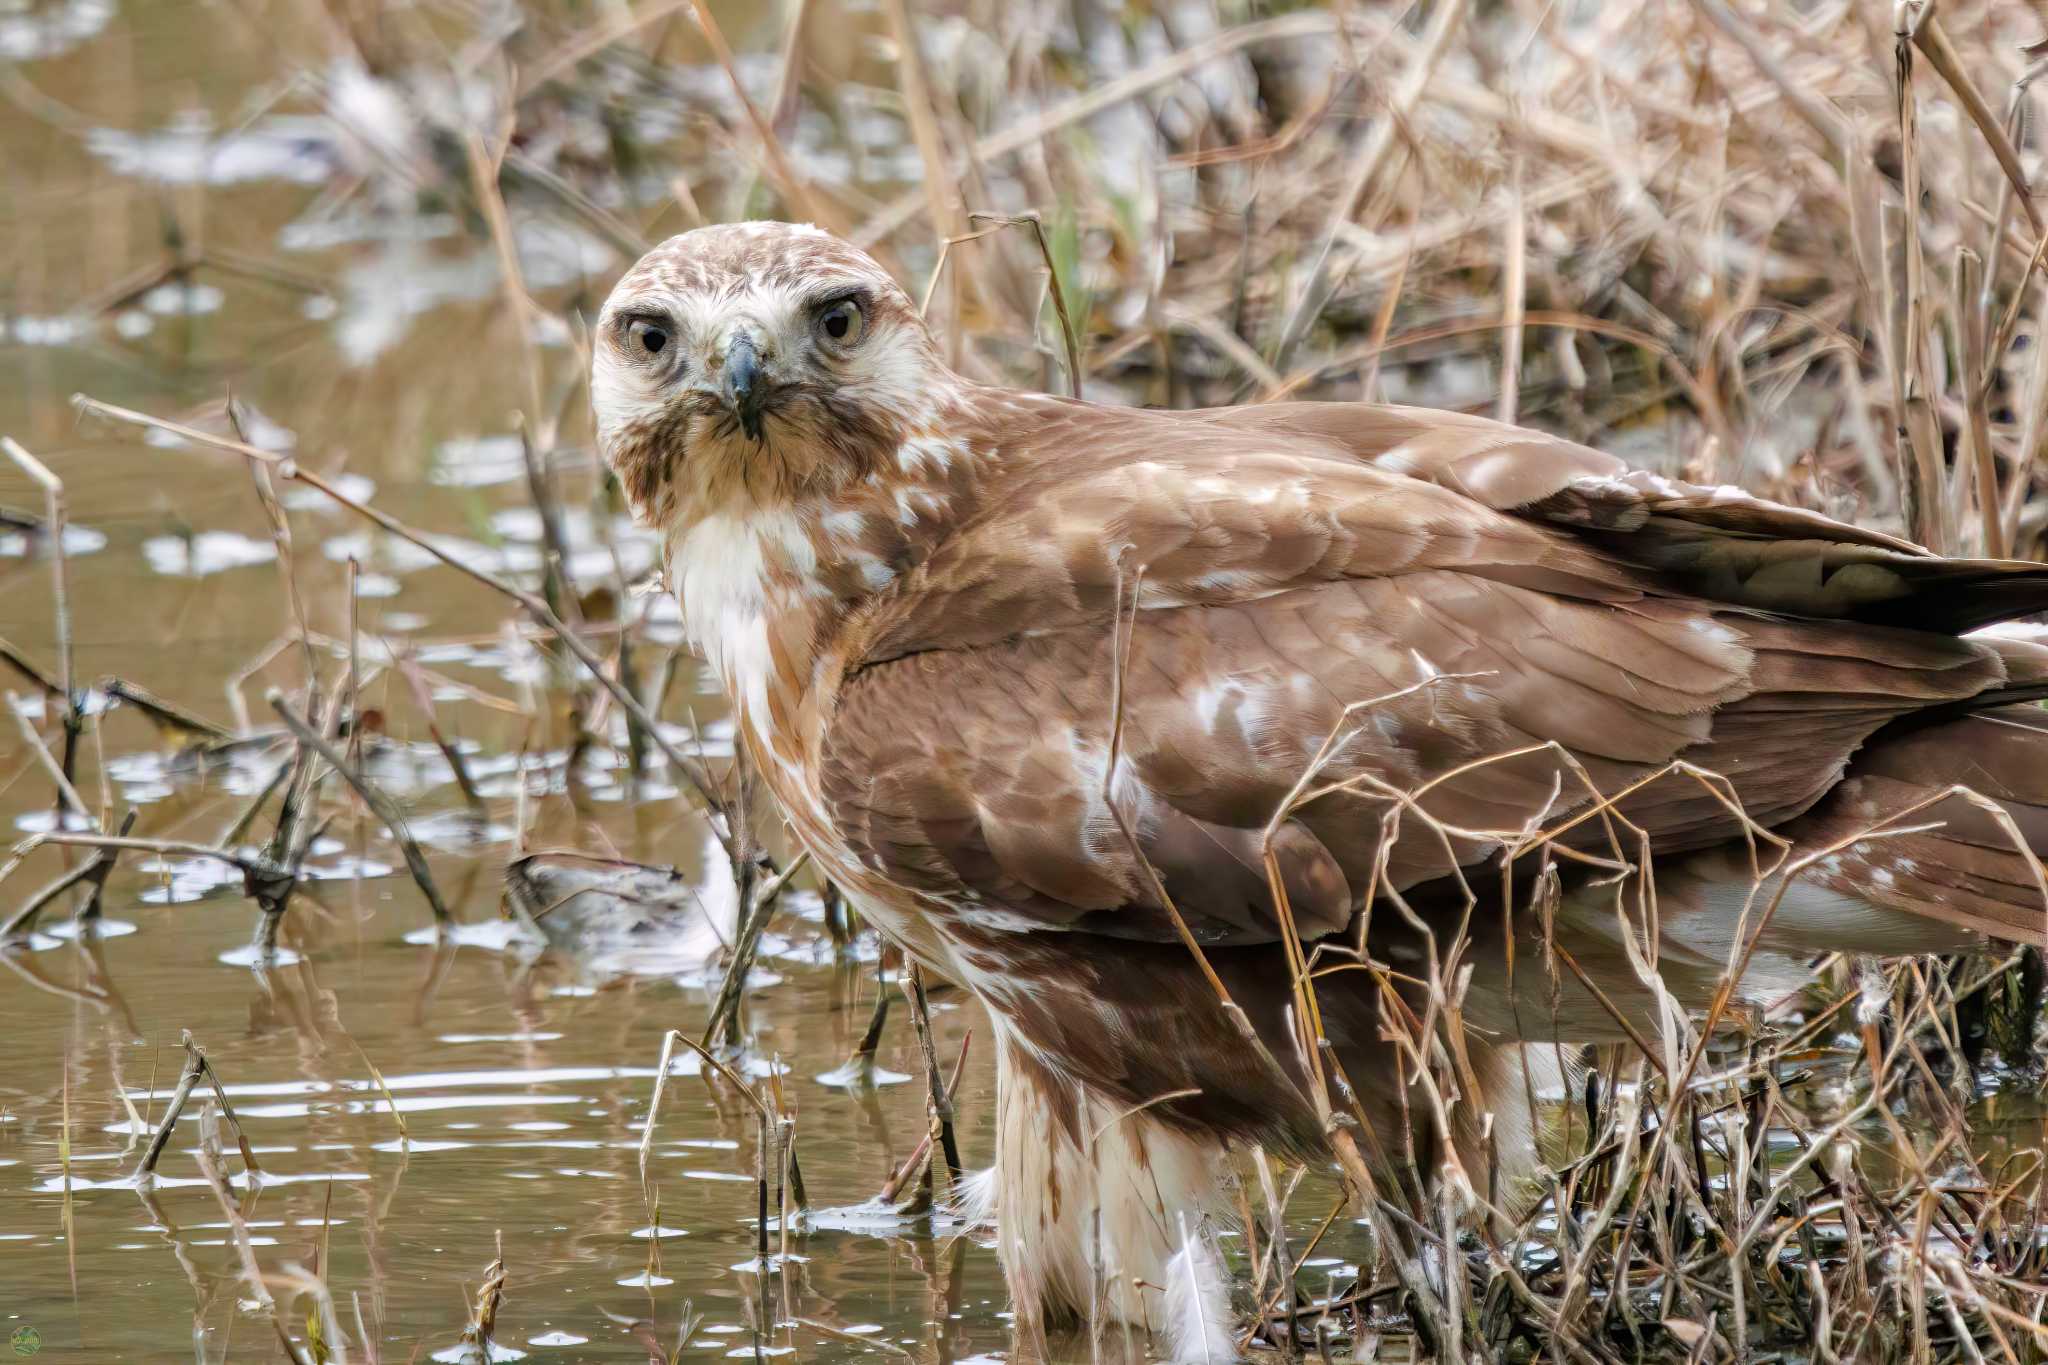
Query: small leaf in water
{"type": "Point", "coordinates": [1688, 1332]}
{"type": "Point", "coordinates": [316, 1343]}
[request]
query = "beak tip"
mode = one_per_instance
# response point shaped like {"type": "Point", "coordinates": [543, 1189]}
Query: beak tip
{"type": "Point", "coordinates": [743, 384]}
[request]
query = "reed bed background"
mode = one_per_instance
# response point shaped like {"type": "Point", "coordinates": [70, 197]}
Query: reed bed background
{"type": "Point", "coordinates": [1792, 247]}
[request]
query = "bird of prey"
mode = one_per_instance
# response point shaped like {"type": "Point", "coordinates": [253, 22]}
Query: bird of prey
{"type": "Point", "coordinates": [1114, 715]}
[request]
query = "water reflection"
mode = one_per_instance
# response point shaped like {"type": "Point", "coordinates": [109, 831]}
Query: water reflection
{"type": "Point", "coordinates": [516, 1074]}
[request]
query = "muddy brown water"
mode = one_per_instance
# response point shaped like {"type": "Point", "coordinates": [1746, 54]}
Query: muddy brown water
{"type": "Point", "coordinates": [372, 343]}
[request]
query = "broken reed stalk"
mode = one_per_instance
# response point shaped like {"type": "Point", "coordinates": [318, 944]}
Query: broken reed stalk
{"type": "Point", "coordinates": [101, 865]}
{"type": "Point", "coordinates": [863, 1059]}
{"type": "Point", "coordinates": [23, 922]}
{"type": "Point", "coordinates": [1456, 1318]}
{"type": "Point", "coordinates": [351, 705]}
{"type": "Point", "coordinates": [281, 539]}
{"type": "Point", "coordinates": [55, 510]}
{"type": "Point", "coordinates": [375, 798]}
{"type": "Point", "coordinates": [946, 245]}
{"type": "Point", "coordinates": [91, 874]}
{"type": "Point", "coordinates": [938, 1098]}
{"type": "Point", "coordinates": [762, 1146]}
{"type": "Point", "coordinates": [1444, 20]}
{"type": "Point", "coordinates": [788, 182]}
{"type": "Point", "coordinates": [796, 1197]}
{"type": "Point", "coordinates": [167, 715]}
{"type": "Point", "coordinates": [1941, 54]}
{"type": "Point", "coordinates": [699, 780]}
{"type": "Point", "coordinates": [775, 1132]}
{"type": "Point", "coordinates": [423, 697]}
{"type": "Point", "coordinates": [1627, 1209]}
{"type": "Point", "coordinates": [187, 1078]}
{"type": "Point", "coordinates": [196, 1067]}
{"type": "Point", "coordinates": [483, 1322]}
{"type": "Point", "coordinates": [1276, 1241]}
{"type": "Point", "coordinates": [484, 172]}
{"type": "Point", "coordinates": [919, 1160]}
{"type": "Point", "coordinates": [941, 194]}
{"type": "Point", "coordinates": [1054, 284]}
{"type": "Point", "coordinates": [390, 1100]}
{"type": "Point", "coordinates": [67, 795]}
{"type": "Point", "coordinates": [36, 677]}
{"type": "Point", "coordinates": [119, 843]}
{"type": "Point", "coordinates": [263, 878]}
{"type": "Point", "coordinates": [556, 583]}
{"type": "Point", "coordinates": [1174, 66]}
{"type": "Point", "coordinates": [668, 1050]}
{"type": "Point", "coordinates": [757, 907]}
{"type": "Point", "coordinates": [251, 1272]}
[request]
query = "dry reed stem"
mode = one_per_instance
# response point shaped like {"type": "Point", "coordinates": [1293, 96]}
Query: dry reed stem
{"type": "Point", "coordinates": [938, 1096]}
{"type": "Point", "coordinates": [1445, 17]}
{"type": "Point", "coordinates": [1054, 285]}
{"type": "Point", "coordinates": [1078, 108]}
{"type": "Point", "coordinates": [715, 806]}
{"type": "Point", "coordinates": [490, 1295]}
{"type": "Point", "coordinates": [390, 1100]}
{"type": "Point", "coordinates": [757, 903]}
{"type": "Point", "coordinates": [385, 809]}
{"type": "Point", "coordinates": [592, 41]}
{"type": "Point", "coordinates": [67, 795]}
{"type": "Point", "coordinates": [1609, 150]}
{"type": "Point", "coordinates": [791, 185]}
{"type": "Point", "coordinates": [1941, 54]}
{"type": "Point", "coordinates": [56, 520]}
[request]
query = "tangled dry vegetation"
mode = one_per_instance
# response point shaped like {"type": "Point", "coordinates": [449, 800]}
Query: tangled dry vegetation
{"type": "Point", "coordinates": [1787, 246]}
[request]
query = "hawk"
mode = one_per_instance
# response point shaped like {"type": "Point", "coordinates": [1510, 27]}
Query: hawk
{"type": "Point", "coordinates": [1108, 714]}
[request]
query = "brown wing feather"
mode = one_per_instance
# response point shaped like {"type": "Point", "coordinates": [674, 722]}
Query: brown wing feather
{"type": "Point", "coordinates": [1093, 502]}
{"type": "Point", "coordinates": [977, 776]}
{"type": "Point", "coordinates": [1715, 542]}
{"type": "Point", "coordinates": [1290, 561]}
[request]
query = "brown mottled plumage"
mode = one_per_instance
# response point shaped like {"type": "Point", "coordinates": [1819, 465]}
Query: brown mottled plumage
{"type": "Point", "coordinates": [921, 594]}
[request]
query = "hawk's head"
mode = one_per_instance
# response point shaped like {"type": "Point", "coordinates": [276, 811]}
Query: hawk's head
{"type": "Point", "coordinates": [757, 362]}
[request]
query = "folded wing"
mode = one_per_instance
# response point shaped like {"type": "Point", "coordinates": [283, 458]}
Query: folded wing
{"type": "Point", "coordinates": [1115, 689]}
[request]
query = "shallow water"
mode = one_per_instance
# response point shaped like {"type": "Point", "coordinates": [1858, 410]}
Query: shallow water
{"type": "Point", "coordinates": [368, 340]}
{"type": "Point", "coordinates": [523, 1086]}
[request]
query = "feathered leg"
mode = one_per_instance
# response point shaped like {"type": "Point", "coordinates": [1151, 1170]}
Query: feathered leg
{"type": "Point", "coordinates": [1104, 1214]}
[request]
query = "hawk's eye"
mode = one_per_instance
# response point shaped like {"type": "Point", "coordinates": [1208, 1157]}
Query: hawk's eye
{"type": "Point", "coordinates": [841, 322]}
{"type": "Point", "coordinates": [648, 335]}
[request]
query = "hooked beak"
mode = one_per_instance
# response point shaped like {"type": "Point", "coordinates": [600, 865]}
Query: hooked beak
{"type": "Point", "coordinates": [744, 389]}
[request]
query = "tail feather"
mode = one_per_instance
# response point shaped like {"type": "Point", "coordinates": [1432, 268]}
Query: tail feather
{"type": "Point", "coordinates": [1198, 1324]}
{"type": "Point", "coordinates": [1967, 792]}
{"type": "Point", "coordinates": [1932, 842]}
{"type": "Point", "coordinates": [1971, 860]}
